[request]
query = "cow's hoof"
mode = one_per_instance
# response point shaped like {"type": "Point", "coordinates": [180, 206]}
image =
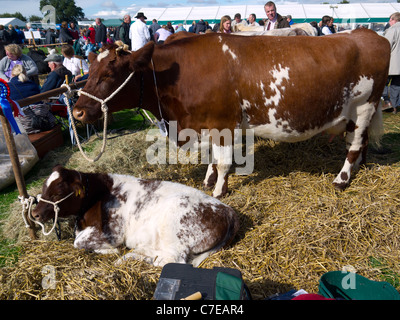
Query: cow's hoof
{"type": "Point", "coordinates": [340, 186]}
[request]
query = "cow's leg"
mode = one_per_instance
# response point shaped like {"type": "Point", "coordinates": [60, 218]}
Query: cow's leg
{"type": "Point", "coordinates": [92, 240]}
{"type": "Point", "coordinates": [223, 157]}
{"type": "Point", "coordinates": [158, 259]}
{"type": "Point", "coordinates": [211, 176]}
{"type": "Point", "coordinates": [134, 256]}
{"type": "Point", "coordinates": [356, 144]}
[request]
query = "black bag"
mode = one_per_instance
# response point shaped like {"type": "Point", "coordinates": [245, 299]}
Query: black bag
{"type": "Point", "coordinates": [178, 281]}
{"type": "Point", "coordinates": [37, 118]}
{"type": "Point", "coordinates": [116, 33]}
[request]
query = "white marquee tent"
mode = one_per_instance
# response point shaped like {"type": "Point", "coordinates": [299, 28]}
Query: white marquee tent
{"type": "Point", "coordinates": [342, 13]}
{"type": "Point", "coordinates": [12, 21]}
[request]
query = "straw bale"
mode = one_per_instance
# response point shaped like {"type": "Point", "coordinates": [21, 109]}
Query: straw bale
{"type": "Point", "coordinates": [295, 226]}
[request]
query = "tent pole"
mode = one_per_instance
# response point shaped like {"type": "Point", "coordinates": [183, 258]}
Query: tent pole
{"type": "Point", "coordinates": [19, 177]}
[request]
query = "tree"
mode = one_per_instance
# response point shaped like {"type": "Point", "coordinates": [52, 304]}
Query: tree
{"type": "Point", "coordinates": [66, 10]}
{"type": "Point", "coordinates": [17, 15]}
{"type": "Point", "coordinates": [35, 18]}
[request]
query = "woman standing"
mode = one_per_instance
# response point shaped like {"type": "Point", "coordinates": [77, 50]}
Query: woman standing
{"type": "Point", "coordinates": [225, 25]}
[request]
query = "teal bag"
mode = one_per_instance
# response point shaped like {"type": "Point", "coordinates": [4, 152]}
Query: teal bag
{"type": "Point", "coordinates": [352, 286]}
{"type": "Point", "coordinates": [229, 287]}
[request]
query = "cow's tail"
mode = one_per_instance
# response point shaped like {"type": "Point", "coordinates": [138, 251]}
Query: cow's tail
{"type": "Point", "coordinates": [376, 130]}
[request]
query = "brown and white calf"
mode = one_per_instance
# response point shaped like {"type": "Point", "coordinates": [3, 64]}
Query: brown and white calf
{"type": "Point", "coordinates": [161, 221]}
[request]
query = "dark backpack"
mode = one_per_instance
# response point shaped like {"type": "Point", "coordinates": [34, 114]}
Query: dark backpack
{"type": "Point", "coordinates": [38, 56]}
{"type": "Point", "coordinates": [116, 34]}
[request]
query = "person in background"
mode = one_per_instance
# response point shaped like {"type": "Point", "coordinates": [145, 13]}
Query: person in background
{"type": "Point", "coordinates": [88, 47]}
{"type": "Point", "coordinates": [20, 85]}
{"type": "Point", "coordinates": [200, 27]}
{"type": "Point", "coordinates": [21, 35]}
{"type": "Point", "coordinates": [138, 32]}
{"type": "Point", "coordinates": [191, 28]}
{"type": "Point", "coordinates": [58, 72]}
{"type": "Point", "coordinates": [73, 63]}
{"type": "Point", "coordinates": [180, 28]}
{"type": "Point", "coordinates": [225, 25]}
{"type": "Point", "coordinates": [252, 20]}
{"type": "Point", "coordinates": [289, 19]}
{"type": "Point", "coordinates": [13, 57]}
{"type": "Point", "coordinates": [153, 28]}
{"type": "Point", "coordinates": [14, 38]}
{"type": "Point", "coordinates": [275, 20]}
{"type": "Point", "coordinates": [91, 35]}
{"type": "Point", "coordinates": [50, 36]}
{"type": "Point", "coordinates": [161, 35]}
{"type": "Point", "coordinates": [238, 21]}
{"type": "Point", "coordinates": [123, 31]}
{"type": "Point", "coordinates": [65, 35]}
{"type": "Point", "coordinates": [326, 23]}
{"type": "Point", "coordinates": [393, 90]}
{"type": "Point", "coordinates": [101, 33]}
{"type": "Point", "coordinates": [73, 30]}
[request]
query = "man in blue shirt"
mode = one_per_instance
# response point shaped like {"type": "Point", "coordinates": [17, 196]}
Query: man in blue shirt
{"type": "Point", "coordinates": [57, 75]}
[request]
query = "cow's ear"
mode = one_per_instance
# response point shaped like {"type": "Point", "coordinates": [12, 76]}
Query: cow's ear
{"type": "Point", "coordinates": [57, 167]}
{"type": "Point", "coordinates": [79, 189]}
{"type": "Point", "coordinates": [140, 59]}
{"type": "Point", "coordinates": [92, 56]}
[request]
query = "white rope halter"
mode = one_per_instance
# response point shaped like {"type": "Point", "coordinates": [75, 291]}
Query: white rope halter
{"type": "Point", "coordinates": [27, 206]}
{"type": "Point", "coordinates": [104, 109]}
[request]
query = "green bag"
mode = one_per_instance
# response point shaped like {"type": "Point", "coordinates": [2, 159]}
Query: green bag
{"type": "Point", "coordinates": [352, 286]}
{"type": "Point", "coordinates": [229, 287]}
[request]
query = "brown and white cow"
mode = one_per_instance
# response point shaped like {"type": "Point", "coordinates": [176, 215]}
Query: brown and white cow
{"type": "Point", "coordinates": [161, 221]}
{"type": "Point", "coordinates": [284, 88]}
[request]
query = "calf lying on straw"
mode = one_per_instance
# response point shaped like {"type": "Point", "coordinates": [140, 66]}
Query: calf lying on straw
{"type": "Point", "coordinates": [162, 221]}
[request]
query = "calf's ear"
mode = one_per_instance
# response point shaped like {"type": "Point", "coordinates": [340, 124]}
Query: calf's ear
{"type": "Point", "coordinates": [140, 60]}
{"type": "Point", "coordinates": [79, 189]}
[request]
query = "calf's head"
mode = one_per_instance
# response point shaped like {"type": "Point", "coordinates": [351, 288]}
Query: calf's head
{"type": "Point", "coordinates": [61, 183]}
{"type": "Point", "coordinates": [108, 71]}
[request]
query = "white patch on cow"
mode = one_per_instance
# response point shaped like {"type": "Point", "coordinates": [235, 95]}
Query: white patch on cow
{"type": "Point", "coordinates": [355, 107]}
{"type": "Point", "coordinates": [223, 158]}
{"type": "Point", "coordinates": [278, 74]}
{"type": "Point", "coordinates": [220, 39]}
{"type": "Point", "coordinates": [54, 176]}
{"type": "Point", "coordinates": [362, 113]}
{"type": "Point", "coordinates": [245, 105]}
{"type": "Point", "coordinates": [225, 49]}
{"type": "Point", "coordinates": [102, 55]}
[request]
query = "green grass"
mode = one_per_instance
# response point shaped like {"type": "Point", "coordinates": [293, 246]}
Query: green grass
{"type": "Point", "coordinates": [387, 274]}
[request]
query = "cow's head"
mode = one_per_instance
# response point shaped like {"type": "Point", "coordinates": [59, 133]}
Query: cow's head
{"type": "Point", "coordinates": [57, 186]}
{"type": "Point", "coordinates": [108, 70]}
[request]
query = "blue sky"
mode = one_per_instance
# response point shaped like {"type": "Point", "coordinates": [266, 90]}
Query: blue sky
{"type": "Point", "coordinates": [117, 8]}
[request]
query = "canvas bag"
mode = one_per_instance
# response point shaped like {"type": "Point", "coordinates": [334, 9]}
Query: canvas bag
{"type": "Point", "coordinates": [178, 281]}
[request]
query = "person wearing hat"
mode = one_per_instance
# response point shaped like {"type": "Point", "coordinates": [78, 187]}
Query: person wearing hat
{"type": "Point", "coordinates": [138, 32]}
{"type": "Point", "coordinates": [58, 72]}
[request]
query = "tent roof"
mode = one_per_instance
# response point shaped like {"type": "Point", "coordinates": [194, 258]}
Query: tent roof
{"type": "Point", "coordinates": [13, 21]}
{"type": "Point", "coordinates": [342, 13]}
{"type": "Point", "coordinates": [112, 22]}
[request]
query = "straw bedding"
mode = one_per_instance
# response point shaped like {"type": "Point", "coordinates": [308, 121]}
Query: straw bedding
{"type": "Point", "coordinates": [294, 225]}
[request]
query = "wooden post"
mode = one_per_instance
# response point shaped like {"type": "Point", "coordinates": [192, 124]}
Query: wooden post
{"type": "Point", "coordinates": [19, 177]}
